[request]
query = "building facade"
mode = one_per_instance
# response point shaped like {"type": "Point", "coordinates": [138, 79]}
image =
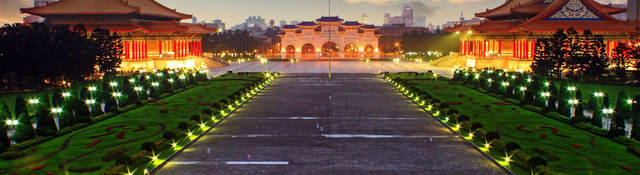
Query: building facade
{"type": "Point", "coordinates": [329, 36]}
{"type": "Point", "coordinates": [510, 30]}
{"type": "Point", "coordinates": [152, 36]}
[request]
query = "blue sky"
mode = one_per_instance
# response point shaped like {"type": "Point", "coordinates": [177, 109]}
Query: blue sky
{"type": "Point", "coordinates": [235, 11]}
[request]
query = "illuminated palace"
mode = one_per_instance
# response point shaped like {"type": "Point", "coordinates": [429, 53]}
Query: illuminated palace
{"type": "Point", "coordinates": [329, 36]}
{"type": "Point", "coordinates": [510, 30]}
{"type": "Point", "coordinates": [152, 36]}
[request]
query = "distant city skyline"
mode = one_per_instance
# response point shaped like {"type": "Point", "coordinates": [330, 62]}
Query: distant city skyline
{"type": "Point", "coordinates": [437, 12]}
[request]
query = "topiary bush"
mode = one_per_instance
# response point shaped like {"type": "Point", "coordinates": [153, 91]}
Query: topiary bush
{"type": "Point", "coordinates": [536, 161]}
{"type": "Point", "coordinates": [169, 135]}
{"type": "Point", "coordinates": [183, 126]}
{"type": "Point", "coordinates": [196, 118]}
{"type": "Point", "coordinates": [113, 154]}
{"type": "Point", "coordinates": [207, 111]}
{"type": "Point", "coordinates": [492, 135]}
{"type": "Point", "coordinates": [148, 146]}
{"type": "Point", "coordinates": [476, 125]}
{"type": "Point", "coordinates": [462, 118]}
{"type": "Point", "coordinates": [511, 146]}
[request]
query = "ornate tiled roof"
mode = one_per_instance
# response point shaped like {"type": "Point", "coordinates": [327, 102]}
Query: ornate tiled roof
{"type": "Point", "coordinates": [351, 23]}
{"type": "Point", "coordinates": [307, 23]}
{"type": "Point", "coordinates": [106, 7]}
{"type": "Point", "coordinates": [545, 15]}
{"type": "Point", "coordinates": [329, 19]}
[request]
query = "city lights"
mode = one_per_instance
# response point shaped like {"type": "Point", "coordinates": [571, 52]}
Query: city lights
{"type": "Point", "coordinates": [66, 94]}
{"type": "Point", "coordinates": [33, 101]}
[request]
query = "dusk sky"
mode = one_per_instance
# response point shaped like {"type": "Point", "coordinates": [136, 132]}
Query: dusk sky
{"type": "Point", "coordinates": [235, 12]}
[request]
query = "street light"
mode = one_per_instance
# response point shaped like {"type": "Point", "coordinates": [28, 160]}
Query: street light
{"type": "Point", "coordinates": [66, 94]}
{"type": "Point", "coordinates": [33, 101]}
{"type": "Point", "coordinates": [113, 84]}
{"type": "Point", "coordinates": [116, 96]}
{"type": "Point", "coordinates": [598, 94]}
{"type": "Point", "coordinates": [56, 116]}
{"type": "Point", "coordinates": [92, 88]}
{"type": "Point", "coordinates": [572, 88]}
{"type": "Point", "coordinates": [132, 80]}
{"type": "Point", "coordinates": [11, 123]}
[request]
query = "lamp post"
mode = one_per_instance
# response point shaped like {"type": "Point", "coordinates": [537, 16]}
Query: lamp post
{"type": "Point", "coordinates": [607, 112]}
{"type": "Point", "coordinates": [56, 111]}
{"type": "Point", "coordinates": [33, 104]}
{"type": "Point", "coordinates": [573, 103]}
{"type": "Point", "coordinates": [546, 96]}
{"type": "Point", "coordinates": [90, 102]}
{"type": "Point", "coordinates": [11, 125]}
{"type": "Point", "coordinates": [116, 96]}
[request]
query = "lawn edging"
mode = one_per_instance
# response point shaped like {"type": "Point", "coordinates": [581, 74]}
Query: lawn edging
{"type": "Point", "coordinates": [522, 159]}
{"type": "Point", "coordinates": [160, 159]}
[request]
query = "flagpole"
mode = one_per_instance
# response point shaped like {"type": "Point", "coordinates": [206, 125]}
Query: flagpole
{"type": "Point", "coordinates": [330, 49]}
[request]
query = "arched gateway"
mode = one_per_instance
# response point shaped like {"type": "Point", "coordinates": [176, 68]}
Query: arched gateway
{"type": "Point", "coordinates": [311, 39]}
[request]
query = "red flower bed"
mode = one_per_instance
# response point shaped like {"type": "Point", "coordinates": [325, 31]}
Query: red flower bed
{"type": "Point", "coordinates": [140, 128]}
{"type": "Point", "coordinates": [51, 173]}
{"type": "Point", "coordinates": [39, 167]}
{"type": "Point", "coordinates": [94, 143]}
{"type": "Point", "coordinates": [543, 136]}
{"type": "Point", "coordinates": [461, 96]}
{"type": "Point", "coordinates": [120, 135]}
{"type": "Point", "coordinates": [576, 145]}
{"type": "Point", "coordinates": [164, 110]}
{"type": "Point", "coordinates": [96, 136]}
{"type": "Point", "coordinates": [175, 109]}
{"type": "Point", "coordinates": [117, 126]}
{"type": "Point", "coordinates": [453, 103]}
{"type": "Point", "coordinates": [555, 132]}
{"type": "Point", "coordinates": [161, 103]}
{"type": "Point", "coordinates": [625, 168]}
{"type": "Point", "coordinates": [520, 128]}
{"type": "Point", "coordinates": [200, 98]}
{"type": "Point", "coordinates": [475, 103]}
{"type": "Point", "coordinates": [501, 103]}
{"type": "Point", "coordinates": [189, 98]}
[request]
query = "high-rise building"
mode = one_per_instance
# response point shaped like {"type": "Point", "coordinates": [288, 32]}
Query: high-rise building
{"type": "Point", "coordinates": [407, 14]}
{"type": "Point", "coordinates": [406, 19]}
{"type": "Point", "coordinates": [283, 23]}
{"type": "Point", "coordinates": [194, 20]}
{"type": "Point", "coordinates": [295, 22]}
{"type": "Point", "coordinates": [364, 19]}
{"type": "Point", "coordinates": [272, 23]}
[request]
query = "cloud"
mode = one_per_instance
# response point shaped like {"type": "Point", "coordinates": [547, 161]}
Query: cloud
{"type": "Point", "coordinates": [10, 10]}
{"type": "Point", "coordinates": [419, 8]}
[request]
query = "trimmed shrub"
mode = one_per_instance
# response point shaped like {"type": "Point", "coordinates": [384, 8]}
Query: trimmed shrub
{"type": "Point", "coordinates": [511, 146]}
{"type": "Point", "coordinates": [207, 111]}
{"type": "Point", "coordinates": [476, 125]}
{"type": "Point", "coordinates": [124, 160]}
{"type": "Point", "coordinates": [183, 126]}
{"type": "Point", "coordinates": [492, 136]}
{"type": "Point", "coordinates": [117, 170]}
{"type": "Point", "coordinates": [462, 118]}
{"type": "Point", "coordinates": [148, 146]}
{"type": "Point", "coordinates": [169, 135]}
{"type": "Point", "coordinates": [11, 155]}
{"type": "Point", "coordinates": [113, 154]}
{"type": "Point", "coordinates": [196, 117]}
{"type": "Point", "coordinates": [536, 161]}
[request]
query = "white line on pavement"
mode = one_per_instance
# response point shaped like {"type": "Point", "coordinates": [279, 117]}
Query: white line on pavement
{"type": "Point", "coordinates": [185, 163]}
{"type": "Point", "coordinates": [257, 163]}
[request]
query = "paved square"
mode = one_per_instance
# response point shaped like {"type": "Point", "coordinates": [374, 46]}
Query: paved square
{"type": "Point", "coordinates": [355, 124]}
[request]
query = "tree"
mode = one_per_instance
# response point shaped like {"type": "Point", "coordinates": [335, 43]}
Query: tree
{"type": "Point", "coordinates": [595, 57]}
{"type": "Point", "coordinates": [551, 54]}
{"type": "Point", "coordinates": [621, 56]}
{"type": "Point", "coordinates": [109, 50]}
{"type": "Point", "coordinates": [635, 129]}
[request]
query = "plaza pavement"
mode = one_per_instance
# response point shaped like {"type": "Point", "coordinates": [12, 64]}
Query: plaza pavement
{"type": "Point", "coordinates": [336, 66]}
{"type": "Point", "coordinates": [355, 124]}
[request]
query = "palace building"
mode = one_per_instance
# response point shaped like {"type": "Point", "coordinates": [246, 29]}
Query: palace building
{"type": "Point", "coordinates": [329, 36]}
{"type": "Point", "coordinates": [510, 30]}
{"type": "Point", "coordinates": [153, 37]}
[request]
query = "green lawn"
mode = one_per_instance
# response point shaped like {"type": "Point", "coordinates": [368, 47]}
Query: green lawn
{"type": "Point", "coordinates": [79, 156]}
{"type": "Point", "coordinates": [598, 155]}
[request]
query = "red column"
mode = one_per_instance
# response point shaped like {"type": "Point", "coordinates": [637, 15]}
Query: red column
{"type": "Point", "coordinates": [499, 47]}
{"type": "Point", "coordinates": [173, 46]}
{"type": "Point", "coordinates": [160, 48]}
